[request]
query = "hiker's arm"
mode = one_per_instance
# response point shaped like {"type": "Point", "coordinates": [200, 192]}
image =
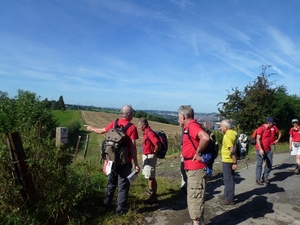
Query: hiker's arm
{"type": "Point", "coordinates": [204, 139]}
{"type": "Point", "coordinates": [134, 156]}
{"type": "Point", "coordinates": [278, 138]}
{"type": "Point", "coordinates": [234, 164]}
{"type": "Point", "coordinates": [96, 130]}
{"type": "Point", "coordinates": [291, 140]}
{"type": "Point", "coordinates": [258, 141]}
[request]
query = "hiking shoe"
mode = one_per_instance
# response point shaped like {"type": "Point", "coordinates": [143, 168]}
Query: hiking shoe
{"type": "Point", "coordinates": [149, 192]}
{"type": "Point", "coordinates": [106, 207]}
{"type": "Point", "coordinates": [221, 197]}
{"type": "Point", "coordinates": [151, 200]}
{"type": "Point", "coordinates": [259, 182]}
{"type": "Point", "coordinates": [120, 212]}
{"type": "Point", "coordinates": [266, 180]}
{"type": "Point", "coordinates": [225, 202]}
{"type": "Point", "coordinates": [201, 222]}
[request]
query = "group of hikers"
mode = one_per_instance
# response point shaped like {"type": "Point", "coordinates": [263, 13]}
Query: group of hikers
{"type": "Point", "coordinates": [194, 167]}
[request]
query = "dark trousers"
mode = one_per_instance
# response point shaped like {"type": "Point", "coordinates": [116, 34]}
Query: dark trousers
{"type": "Point", "coordinates": [118, 178]}
{"type": "Point", "coordinates": [267, 157]}
{"type": "Point", "coordinates": [228, 179]}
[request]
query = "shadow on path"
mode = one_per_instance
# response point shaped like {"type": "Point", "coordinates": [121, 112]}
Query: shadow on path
{"type": "Point", "coordinates": [257, 207]}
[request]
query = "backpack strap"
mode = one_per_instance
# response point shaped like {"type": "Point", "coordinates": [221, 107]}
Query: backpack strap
{"type": "Point", "coordinates": [189, 136]}
{"type": "Point", "coordinates": [124, 129]}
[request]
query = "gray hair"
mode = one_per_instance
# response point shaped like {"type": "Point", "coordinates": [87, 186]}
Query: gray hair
{"type": "Point", "coordinates": [187, 111]}
{"type": "Point", "coordinates": [144, 121]}
{"type": "Point", "coordinates": [127, 111]}
{"type": "Point", "coordinates": [227, 123]}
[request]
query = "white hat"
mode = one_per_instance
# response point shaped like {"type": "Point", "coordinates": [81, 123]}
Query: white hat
{"type": "Point", "coordinates": [295, 121]}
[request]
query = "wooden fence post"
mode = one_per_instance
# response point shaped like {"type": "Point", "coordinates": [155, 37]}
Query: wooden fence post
{"type": "Point", "coordinates": [86, 145]}
{"type": "Point", "coordinates": [77, 147]}
{"type": "Point", "coordinates": [21, 170]}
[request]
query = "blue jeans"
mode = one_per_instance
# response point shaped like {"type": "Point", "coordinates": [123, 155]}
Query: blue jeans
{"type": "Point", "coordinates": [228, 179]}
{"type": "Point", "coordinates": [259, 163]}
{"type": "Point", "coordinates": [118, 178]}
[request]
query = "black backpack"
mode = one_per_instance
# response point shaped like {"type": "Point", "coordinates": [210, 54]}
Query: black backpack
{"type": "Point", "coordinates": [114, 146]}
{"type": "Point", "coordinates": [162, 137]}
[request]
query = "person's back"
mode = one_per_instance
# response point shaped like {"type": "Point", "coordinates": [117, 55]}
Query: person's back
{"type": "Point", "coordinates": [118, 175]}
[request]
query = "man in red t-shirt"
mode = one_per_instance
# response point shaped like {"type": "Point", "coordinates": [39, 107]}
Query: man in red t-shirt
{"type": "Point", "coordinates": [195, 168]}
{"type": "Point", "coordinates": [263, 151]}
{"type": "Point", "coordinates": [118, 175]}
{"type": "Point", "coordinates": [295, 143]}
{"type": "Point", "coordinates": [150, 146]}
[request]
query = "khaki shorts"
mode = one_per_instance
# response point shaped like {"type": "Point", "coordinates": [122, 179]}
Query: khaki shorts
{"type": "Point", "coordinates": [196, 180]}
{"type": "Point", "coordinates": [149, 165]}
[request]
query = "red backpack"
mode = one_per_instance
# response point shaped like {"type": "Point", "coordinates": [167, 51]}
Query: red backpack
{"type": "Point", "coordinates": [253, 137]}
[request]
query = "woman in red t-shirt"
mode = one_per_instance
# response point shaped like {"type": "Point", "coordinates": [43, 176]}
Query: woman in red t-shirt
{"type": "Point", "coordinates": [295, 143]}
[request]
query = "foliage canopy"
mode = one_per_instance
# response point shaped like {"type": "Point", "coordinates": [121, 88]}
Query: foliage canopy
{"type": "Point", "coordinates": [249, 108]}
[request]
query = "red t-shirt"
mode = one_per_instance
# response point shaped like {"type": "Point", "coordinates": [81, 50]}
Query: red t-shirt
{"type": "Point", "coordinates": [188, 150]}
{"type": "Point", "coordinates": [295, 133]}
{"type": "Point", "coordinates": [265, 138]}
{"type": "Point", "coordinates": [131, 133]}
{"type": "Point", "coordinates": [149, 141]}
{"type": "Point", "coordinates": [274, 131]}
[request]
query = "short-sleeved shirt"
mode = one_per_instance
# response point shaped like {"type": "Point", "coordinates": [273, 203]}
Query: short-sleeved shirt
{"type": "Point", "coordinates": [295, 133]}
{"type": "Point", "coordinates": [265, 138]}
{"type": "Point", "coordinates": [228, 142]}
{"type": "Point", "coordinates": [188, 150]}
{"type": "Point", "coordinates": [149, 141]}
{"type": "Point", "coordinates": [274, 131]}
{"type": "Point", "coordinates": [131, 133]}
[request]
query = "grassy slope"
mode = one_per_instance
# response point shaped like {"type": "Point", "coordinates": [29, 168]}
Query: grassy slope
{"type": "Point", "coordinates": [67, 117]}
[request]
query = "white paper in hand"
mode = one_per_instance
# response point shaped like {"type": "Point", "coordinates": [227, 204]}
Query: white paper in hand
{"type": "Point", "coordinates": [107, 166]}
{"type": "Point", "coordinates": [132, 177]}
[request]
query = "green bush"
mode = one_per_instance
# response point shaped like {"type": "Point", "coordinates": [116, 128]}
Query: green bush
{"type": "Point", "coordinates": [67, 192]}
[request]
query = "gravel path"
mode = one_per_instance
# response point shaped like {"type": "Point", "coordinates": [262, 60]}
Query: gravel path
{"type": "Point", "coordinates": [275, 204]}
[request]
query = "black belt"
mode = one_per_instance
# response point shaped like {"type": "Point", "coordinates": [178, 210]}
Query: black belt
{"type": "Point", "coordinates": [185, 159]}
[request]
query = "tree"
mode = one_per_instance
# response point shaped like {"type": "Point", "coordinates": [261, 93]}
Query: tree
{"type": "Point", "coordinates": [260, 99]}
{"type": "Point", "coordinates": [286, 107]}
{"type": "Point", "coordinates": [3, 95]}
{"type": "Point", "coordinates": [24, 112]}
{"type": "Point", "coordinates": [249, 108]}
{"type": "Point", "coordinates": [61, 104]}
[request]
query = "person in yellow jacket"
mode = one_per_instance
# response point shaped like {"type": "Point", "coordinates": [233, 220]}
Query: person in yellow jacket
{"type": "Point", "coordinates": [229, 163]}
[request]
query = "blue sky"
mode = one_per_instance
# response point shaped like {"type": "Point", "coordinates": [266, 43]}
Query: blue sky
{"type": "Point", "coordinates": [156, 54]}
